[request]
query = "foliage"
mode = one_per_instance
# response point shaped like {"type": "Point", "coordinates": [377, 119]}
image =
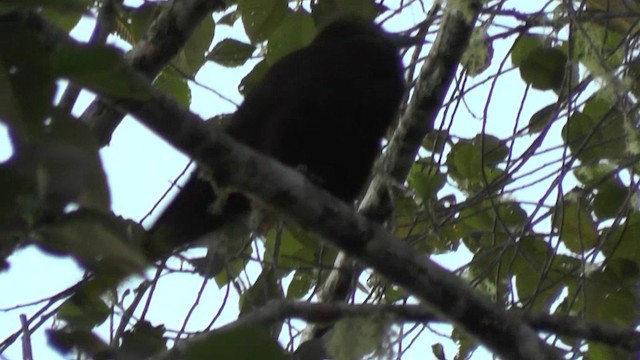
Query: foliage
{"type": "Point", "coordinates": [529, 177]}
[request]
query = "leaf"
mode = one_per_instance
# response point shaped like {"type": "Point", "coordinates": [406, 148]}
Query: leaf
{"type": "Point", "coordinates": [28, 85]}
{"type": "Point", "coordinates": [465, 162]}
{"type": "Point", "coordinates": [65, 19]}
{"type": "Point", "coordinates": [425, 179]}
{"type": "Point", "coordinates": [253, 77]}
{"type": "Point", "coordinates": [98, 68]}
{"type": "Point", "coordinates": [595, 43]}
{"type": "Point", "coordinates": [100, 242]}
{"type": "Point", "coordinates": [143, 340]}
{"type": "Point", "coordinates": [261, 17]}
{"type": "Point", "coordinates": [300, 284]}
{"type": "Point", "coordinates": [436, 140]}
{"type": "Point", "coordinates": [295, 31]}
{"type": "Point", "coordinates": [573, 221]}
{"type": "Point", "coordinates": [493, 150]}
{"type": "Point", "coordinates": [621, 242]}
{"type": "Point", "coordinates": [523, 47]}
{"type": "Point", "coordinates": [601, 298]}
{"type": "Point", "coordinates": [544, 68]}
{"type": "Point", "coordinates": [175, 85]}
{"type": "Point", "coordinates": [290, 253]}
{"type": "Point", "coordinates": [477, 57]}
{"type": "Point", "coordinates": [69, 169]}
{"type": "Point", "coordinates": [134, 22]}
{"type": "Point", "coordinates": [598, 132]}
{"type": "Point", "coordinates": [600, 351]}
{"type": "Point", "coordinates": [353, 338]}
{"type": "Point", "coordinates": [84, 311]}
{"type": "Point", "coordinates": [593, 174]}
{"type": "Point", "coordinates": [232, 345]}
{"type": "Point", "coordinates": [265, 289]}
{"type": "Point", "coordinates": [539, 285]}
{"type": "Point", "coordinates": [542, 118]}
{"type": "Point", "coordinates": [84, 341]}
{"type": "Point", "coordinates": [231, 53]}
{"type": "Point", "coordinates": [610, 199]}
{"type": "Point", "coordinates": [192, 56]}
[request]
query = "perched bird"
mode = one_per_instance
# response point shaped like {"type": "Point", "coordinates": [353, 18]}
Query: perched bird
{"type": "Point", "coordinates": [323, 109]}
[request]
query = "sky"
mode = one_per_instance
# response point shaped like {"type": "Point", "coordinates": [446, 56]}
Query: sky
{"type": "Point", "coordinates": [140, 167]}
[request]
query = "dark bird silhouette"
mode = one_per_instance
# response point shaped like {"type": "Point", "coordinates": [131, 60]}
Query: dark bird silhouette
{"type": "Point", "coordinates": [323, 109]}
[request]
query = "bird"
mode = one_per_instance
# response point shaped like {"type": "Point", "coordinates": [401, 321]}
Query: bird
{"type": "Point", "coordinates": [323, 109]}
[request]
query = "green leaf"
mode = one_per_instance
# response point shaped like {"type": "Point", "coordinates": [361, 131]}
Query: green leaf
{"type": "Point", "coordinates": [262, 17]}
{"type": "Point", "coordinates": [231, 53]}
{"type": "Point", "coordinates": [542, 118]}
{"type": "Point", "coordinates": [265, 289]}
{"type": "Point", "coordinates": [84, 311]}
{"type": "Point", "coordinates": [523, 47]}
{"type": "Point", "coordinates": [573, 221]}
{"type": "Point", "coordinates": [300, 284]}
{"type": "Point", "coordinates": [233, 345]}
{"type": "Point", "coordinates": [295, 31]}
{"type": "Point", "coordinates": [98, 68]}
{"type": "Point", "coordinates": [544, 68]}
{"type": "Point", "coordinates": [465, 162]}
{"type": "Point", "coordinates": [600, 297]}
{"type": "Point", "coordinates": [83, 341]}
{"type": "Point", "coordinates": [192, 56]}
{"type": "Point", "coordinates": [290, 252]}
{"type": "Point", "coordinates": [593, 174]}
{"type": "Point", "coordinates": [135, 21]}
{"type": "Point", "coordinates": [622, 242]}
{"type": "Point", "coordinates": [425, 179]}
{"type": "Point", "coordinates": [102, 243]}
{"type": "Point", "coordinates": [610, 199]}
{"type": "Point", "coordinates": [598, 132]}
{"type": "Point", "coordinates": [143, 340]}
{"type": "Point", "coordinates": [477, 57]}
{"type": "Point", "coordinates": [175, 85]}
{"type": "Point", "coordinates": [539, 285]}
{"type": "Point", "coordinates": [600, 351]}
{"type": "Point", "coordinates": [436, 140]}
{"type": "Point", "coordinates": [69, 168]}
{"type": "Point", "coordinates": [253, 77]}
{"type": "Point", "coordinates": [595, 43]}
{"type": "Point", "coordinates": [27, 83]}
{"type": "Point", "coordinates": [353, 338]}
{"type": "Point", "coordinates": [494, 151]}
{"type": "Point", "coordinates": [66, 14]}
